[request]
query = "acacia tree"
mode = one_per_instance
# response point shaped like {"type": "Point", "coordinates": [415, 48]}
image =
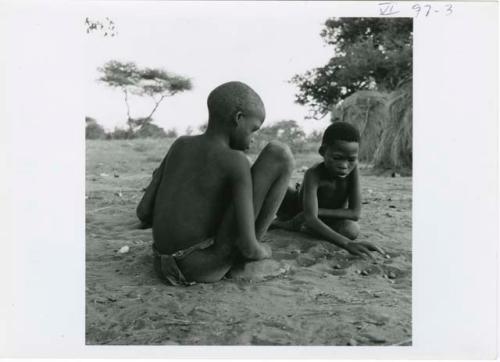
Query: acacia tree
{"type": "Point", "coordinates": [155, 83]}
{"type": "Point", "coordinates": [369, 53]}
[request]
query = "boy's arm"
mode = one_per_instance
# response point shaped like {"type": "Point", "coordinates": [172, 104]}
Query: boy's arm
{"type": "Point", "coordinates": [353, 211]}
{"type": "Point", "coordinates": [242, 192]}
{"type": "Point", "coordinates": [146, 205]}
{"type": "Point", "coordinates": [310, 203]}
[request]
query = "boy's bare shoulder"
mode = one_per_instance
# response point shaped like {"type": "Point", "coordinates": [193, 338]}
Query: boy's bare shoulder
{"type": "Point", "coordinates": [315, 170]}
{"type": "Point", "coordinates": [225, 158]}
{"type": "Point", "coordinates": [182, 140]}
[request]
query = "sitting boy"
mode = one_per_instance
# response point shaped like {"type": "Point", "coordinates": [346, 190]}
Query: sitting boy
{"type": "Point", "coordinates": [207, 206]}
{"type": "Point", "coordinates": [328, 203]}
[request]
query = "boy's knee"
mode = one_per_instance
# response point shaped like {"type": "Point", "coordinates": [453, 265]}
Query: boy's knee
{"type": "Point", "coordinates": [350, 229]}
{"type": "Point", "coordinates": [281, 153]}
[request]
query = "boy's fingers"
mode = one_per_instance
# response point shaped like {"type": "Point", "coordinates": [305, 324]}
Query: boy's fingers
{"type": "Point", "coordinates": [376, 248]}
{"type": "Point", "coordinates": [366, 251]}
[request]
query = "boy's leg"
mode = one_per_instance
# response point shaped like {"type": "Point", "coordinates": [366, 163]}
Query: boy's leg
{"type": "Point", "coordinates": [271, 173]}
{"type": "Point", "coordinates": [348, 228]}
{"type": "Point", "coordinates": [270, 176]}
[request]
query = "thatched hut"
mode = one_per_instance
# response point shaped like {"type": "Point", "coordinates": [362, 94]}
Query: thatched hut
{"type": "Point", "coordinates": [367, 110]}
{"type": "Point", "coordinates": [384, 121]}
{"type": "Point", "coordinates": [395, 150]}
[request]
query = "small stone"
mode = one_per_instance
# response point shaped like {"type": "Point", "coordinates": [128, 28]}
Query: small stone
{"type": "Point", "coordinates": [375, 339]}
{"type": "Point", "coordinates": [358, 271]}
{"type": "Point", "coordinates": [337, 266]}
{"type": "Point", "coordinates": [392, 275]}
{"type": "Point", "coordinates": [103, 174]}
{"type": "Point", "coordinates": [139, 324]}
{"type": "Point", "coordinates": [116, 175]}
{"type": "Point", "coordinates": [124, 249]}
{"type": "Point", "coordinates": [364, 272]}
{"type": "Point", "coordinates": [352, 342]}
{"type": "Point", "coordinates": [392, 206]}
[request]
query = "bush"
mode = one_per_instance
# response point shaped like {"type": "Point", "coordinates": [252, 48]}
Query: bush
{"type": "Point", "coordinates": [120, 134]}
{"type": "Point", "coordinates": [172, 133]}
{"type": "Point", "coordinates": [287, 131]}
{"type": "Point", "coordinates": [150, 130]}
{"type": "Point", "coordinates": [93, 130]}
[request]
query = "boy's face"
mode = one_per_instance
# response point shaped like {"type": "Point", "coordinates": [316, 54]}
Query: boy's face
{"type": "Point", "coordinates": [341, 158]}
{"type": "Point", "coordinates": [246, 125]}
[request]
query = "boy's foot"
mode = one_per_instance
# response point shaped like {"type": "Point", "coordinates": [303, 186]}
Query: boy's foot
{"type": "Point", "coordinates": [294, 224]}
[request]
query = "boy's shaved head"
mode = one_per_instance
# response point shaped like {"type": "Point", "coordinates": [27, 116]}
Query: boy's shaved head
{"type": "Point", "coordinates": [228, 98]}
{"type": "Point", "coordinates": [339, 131]}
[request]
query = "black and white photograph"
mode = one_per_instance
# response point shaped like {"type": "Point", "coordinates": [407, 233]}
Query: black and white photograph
{"type": "Point", "coordinates": [248, 178]}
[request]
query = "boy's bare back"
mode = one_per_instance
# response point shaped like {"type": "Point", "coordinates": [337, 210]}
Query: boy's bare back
{"type": "Point", "coordinates": [193, 195]}
{"type": "Point", "coordinates": [207, 206]}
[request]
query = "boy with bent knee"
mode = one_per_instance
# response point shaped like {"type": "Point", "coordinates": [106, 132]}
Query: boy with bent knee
{"type": "Point", "coordinates": [207, 206]}
{"type": "Point", "coordinates": [328, 204]}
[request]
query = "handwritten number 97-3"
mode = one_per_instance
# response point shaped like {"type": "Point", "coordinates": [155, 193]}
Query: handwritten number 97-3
{"type": "Point", "coordinates": [427, 9]}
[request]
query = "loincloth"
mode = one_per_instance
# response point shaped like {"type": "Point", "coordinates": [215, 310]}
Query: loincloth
{"type": "Point", "coordinates": [166, 265]}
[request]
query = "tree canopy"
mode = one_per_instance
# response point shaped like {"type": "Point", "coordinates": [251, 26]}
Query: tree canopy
{"type": "Point", "coordinates": [369, 53]}
{"type": "Point", "coordinates": [156, 83]}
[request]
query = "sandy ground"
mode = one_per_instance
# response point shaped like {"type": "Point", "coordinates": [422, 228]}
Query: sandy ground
{"type": "Point", "coordinates": [310, 293]}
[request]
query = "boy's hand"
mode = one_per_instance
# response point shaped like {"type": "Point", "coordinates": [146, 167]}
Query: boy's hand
{"type": "Point", "coordinates": [364, 249]}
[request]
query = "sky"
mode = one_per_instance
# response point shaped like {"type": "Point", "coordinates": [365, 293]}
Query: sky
{"type": "Point", "coordinates": [261, 45]}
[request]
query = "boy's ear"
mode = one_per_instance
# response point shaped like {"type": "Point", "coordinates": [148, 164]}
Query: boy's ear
{"type": "Point", "coordinates": [237, 118]}
{"type": "Point", "coordinates": [322, 150]}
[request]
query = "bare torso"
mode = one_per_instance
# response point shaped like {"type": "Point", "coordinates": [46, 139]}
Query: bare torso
{"type": "Point", "coordinates": [192, 196]}
{"type": "Point", "coordinates": [332, 193]}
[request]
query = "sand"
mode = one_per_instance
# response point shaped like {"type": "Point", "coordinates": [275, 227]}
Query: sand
{"type": "Point", "coordinates": [309, 293]}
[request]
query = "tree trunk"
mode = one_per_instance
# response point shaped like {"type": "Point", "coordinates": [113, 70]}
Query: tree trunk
{"type": "Point", "coordinates": [157, 103]}
{"type": "Point", "coordinates": [128, 107]}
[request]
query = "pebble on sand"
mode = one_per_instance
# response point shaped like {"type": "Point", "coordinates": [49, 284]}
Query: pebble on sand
{"type": "Point", "coordinates": [124, 249]}
{"type": "Point", "coordinates": [352, 342]}
{"type": "Point", "coordinates": [392, 275]}
{"type": "Point", "coordinates": [364, 272]}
